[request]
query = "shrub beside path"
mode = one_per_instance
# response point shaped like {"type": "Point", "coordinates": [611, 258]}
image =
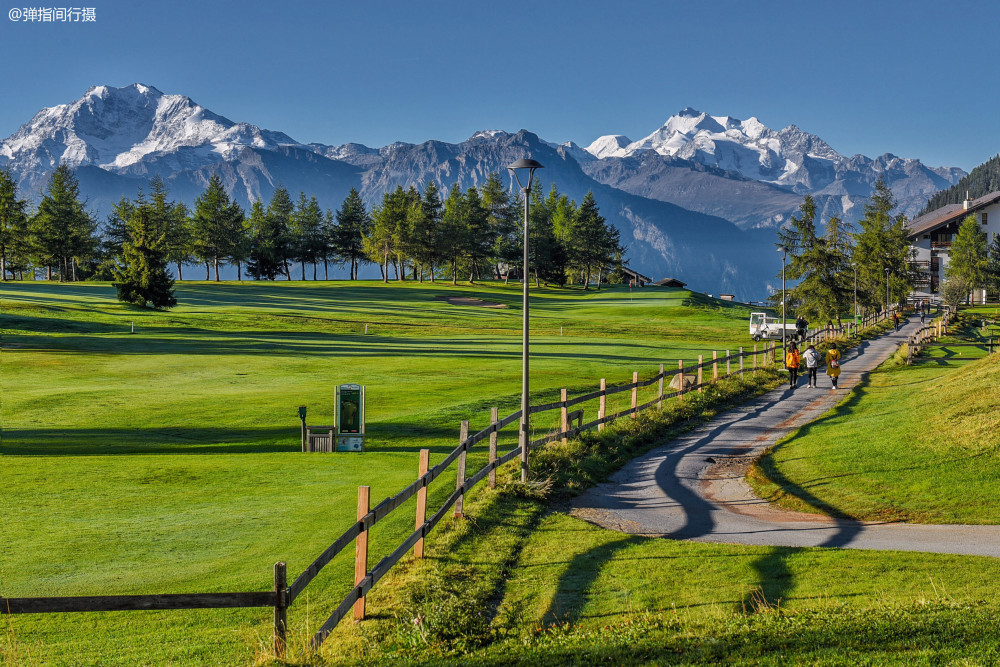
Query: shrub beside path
{"type": "Point", "coordinates": [693, 488]}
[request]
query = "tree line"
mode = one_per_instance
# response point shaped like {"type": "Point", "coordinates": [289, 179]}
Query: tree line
{"type": "Point", "coordinates": [877, 257]}
{"type": "Point", "coordinates": [979, 182]}
{"type": "Point", "coordinates": [872, 260]}
{"type": "Point", "coordinates": [419, 234]}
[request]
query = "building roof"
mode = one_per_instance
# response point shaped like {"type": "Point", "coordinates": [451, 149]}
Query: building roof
{"type": "Point", "coordinates": [670, 282]}
{"type": "Point", "coordinates": [636, 275]}
{"type": "Point", "coordinates": [945, 215]}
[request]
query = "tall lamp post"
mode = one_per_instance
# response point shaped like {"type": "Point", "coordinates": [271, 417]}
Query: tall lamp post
{"type": "Point", "coordinates": [887, 291]}
{"type": "Point", "coordinates": [524, 166]}
{"type": "Point", "coordinates": [784, 253]}
{"type": "Point", "coordinates": [855, 294]}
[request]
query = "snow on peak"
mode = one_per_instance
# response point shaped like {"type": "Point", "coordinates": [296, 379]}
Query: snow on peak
{"type": "Point", "coordinates": [747, 146]}
{"type": "Point", "coordinates": [487, 134]}
{"type": "Point", "coordinates": [116, 128]}
{"type": "Point", "coordinates": [610, 145]}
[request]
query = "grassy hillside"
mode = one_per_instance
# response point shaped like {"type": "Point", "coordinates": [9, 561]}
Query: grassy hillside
{"type": "Point", "coordinates": [915, 443]}
{"type": "Point", "coordinates": [167, 460]}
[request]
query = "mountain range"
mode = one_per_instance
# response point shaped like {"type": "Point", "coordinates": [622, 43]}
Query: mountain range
{"type": "Point", "coordinates": [698, 199]}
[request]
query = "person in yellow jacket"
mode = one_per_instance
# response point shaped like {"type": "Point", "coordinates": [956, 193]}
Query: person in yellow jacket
{"type": "Point", "coordinates": [792, 362]}
{"type": "Point", "coordinates": [833, 364]}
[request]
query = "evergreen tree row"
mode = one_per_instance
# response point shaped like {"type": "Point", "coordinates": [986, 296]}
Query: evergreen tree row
{"type": "Point", "coordinates": [875, 256]}
{"type": "Point", "coordinates": [471, 234]}
{"type": "Point", "coordinates": [981, 181]}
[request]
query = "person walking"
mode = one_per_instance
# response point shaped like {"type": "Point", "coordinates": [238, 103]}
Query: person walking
{"type": "Point", "coordinates": [833, 364]}
{"type": "Point", "coordinates": [800, 328]}
{"type": "Point", "coordinates": [811, 357]}
{"type": "Point", "coordinates": [895, 321]}
{"type": "Point", "coordinates": [792, 362]}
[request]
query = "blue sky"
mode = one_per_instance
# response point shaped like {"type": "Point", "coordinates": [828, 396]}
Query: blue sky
{"type": "Point", "coordinates": [911, 78]}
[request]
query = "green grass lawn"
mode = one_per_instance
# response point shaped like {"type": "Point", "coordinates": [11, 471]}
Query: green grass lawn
{"type": "Point", "coordinates": [167, 460]}
{"type": "Point", "coordinates": [914, 443]}
{"type": "Point", "coordinates": [527, 586]}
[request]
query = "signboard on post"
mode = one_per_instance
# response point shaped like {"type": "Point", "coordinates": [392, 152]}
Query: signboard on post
{"type": "Point", "coordinates": [349, 417]}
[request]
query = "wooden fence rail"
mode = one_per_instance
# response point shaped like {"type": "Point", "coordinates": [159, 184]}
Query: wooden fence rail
{"type": "Point", "coordinates": [284, 595]}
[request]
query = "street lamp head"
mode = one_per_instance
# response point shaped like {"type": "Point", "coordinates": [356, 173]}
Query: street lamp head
{"type": "Point", "coordinates": [524, 163]}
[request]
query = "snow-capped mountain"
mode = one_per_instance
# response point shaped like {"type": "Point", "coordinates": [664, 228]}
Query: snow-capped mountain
{"type": "Point", "coordinates": [697, 199]}
{"type": "Point", "coordinates": [610, 145]}
{"type": "Point", "coordinates": [795, 161]}
{"type": "Point", "coordinates": [126, 131]}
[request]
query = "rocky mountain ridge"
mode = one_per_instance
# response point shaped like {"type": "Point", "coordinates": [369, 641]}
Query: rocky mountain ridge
{"type": "Point", "coordinates": [698, 199]}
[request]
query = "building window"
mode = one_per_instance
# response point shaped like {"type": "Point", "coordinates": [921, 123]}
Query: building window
{"type": "Point", "coordinates": [984, 217]}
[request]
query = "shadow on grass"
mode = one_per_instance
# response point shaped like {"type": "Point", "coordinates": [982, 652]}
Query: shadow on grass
{"type": "Point", "coordinates": [319, 344]}
{"type": "Point", "coordinates": [577, 579]}
{"type": "Point", "coordinates": [104, 442]}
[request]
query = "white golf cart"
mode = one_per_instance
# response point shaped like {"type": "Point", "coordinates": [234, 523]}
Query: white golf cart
{"type": "Point", "coordinates": [763, 327]}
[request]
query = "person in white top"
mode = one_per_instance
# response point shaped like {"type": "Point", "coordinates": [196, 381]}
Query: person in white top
{"type": "Point", "coordinates": [811, 357]}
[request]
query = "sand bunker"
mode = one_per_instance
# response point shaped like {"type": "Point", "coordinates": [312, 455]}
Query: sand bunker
{"type": "Point", "coordinates": [469, 301]}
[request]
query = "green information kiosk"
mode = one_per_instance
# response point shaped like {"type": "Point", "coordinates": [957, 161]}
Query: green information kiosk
{"type": "Point", "coordinates": [349, 417]}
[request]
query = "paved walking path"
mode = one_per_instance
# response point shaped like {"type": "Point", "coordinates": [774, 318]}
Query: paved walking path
{"type": "Point", "coordinates": [693, 488]}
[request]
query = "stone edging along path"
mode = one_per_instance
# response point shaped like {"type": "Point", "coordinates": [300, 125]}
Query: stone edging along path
{"type": "Point", "coordinates": [693, 487]}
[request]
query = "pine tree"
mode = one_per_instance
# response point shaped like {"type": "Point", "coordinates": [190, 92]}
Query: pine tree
{"type": "Point", "coordinates": [478, 233]}
{"type": "Point", "coordinates": [217, 225]}
{"type": "Point", "coordinates": [453, 229]}
{"type": "Point", "coordinates": [595, 244]}
{"type": "Point", "coordinates": [142, 278]}
{"type": "Point", "coordinates": [968, 258]}
{"type": "Point", "coordinates": [13, 225]}
{"type": "Point", "coordinates": [62, 231]}
{"type": "Point", "coordinates": [279, 212]}
{"type": "Point", "coordinates": [547, 255]}
{"type": "Point", "coordinates": [502, 215]}
{"type": "Point", "coordinates": [882, 244]}
{"type": "Point", "coordinates": [404, 238]}
{"type": "Point", "coordinates": [180, 239]}
{"type": "Point", "coordinates": [380, 243]}
{"type": "Point", "coordinates": [307, 233]}
{"type": "Point", "coordinates": [172, 219]}
{"type": "Point", "coordinates": [353, 225]}
{"type": "Point", "coordinates": [429, 229]}
{"type": "Point", "coordinates": [264, 260]}
{"type": "Point", "coordinates": [113, 237]}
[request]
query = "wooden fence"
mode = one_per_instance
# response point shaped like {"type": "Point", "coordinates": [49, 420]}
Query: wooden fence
{"type": "Point", "coordinates": [820, 334]}
{"type": "Point", "coordinates": [931, 332]}
{"type": "Point", "coordinates": [571, 424]}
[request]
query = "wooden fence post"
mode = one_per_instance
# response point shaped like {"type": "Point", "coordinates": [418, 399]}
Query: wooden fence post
{"type": "Point", "coordinates": [422, 467]}
{"type": "Point", "coordinates": [494, 419]}
{"type": "Point", "coordinates": [701, 361]}
{"type": "Point", "coordinates": [715, 365]}
{"type": "Point", "coordinates": [680, 379]}
{"type": "Point", "coordinates": [564, 416]}
{"type": "Point", "coordinates": [659, 403]}
{"type": "Point", "coordinates": [755, 357]}
{"type": "Point", "coordinates": [635, 394]}
{"type": "Point", "coordinates": [741, 361]}
{"type": "Point", "coordinates": [602, 408]}
{"type": "Point", "coordinates": [463, 435]}
{"type": "Point", "coordinates": [280, 609]}
{"type": "Point", "coordinates": [729, 357]}
{"type": "Point", "coordinates": [361, 550]}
